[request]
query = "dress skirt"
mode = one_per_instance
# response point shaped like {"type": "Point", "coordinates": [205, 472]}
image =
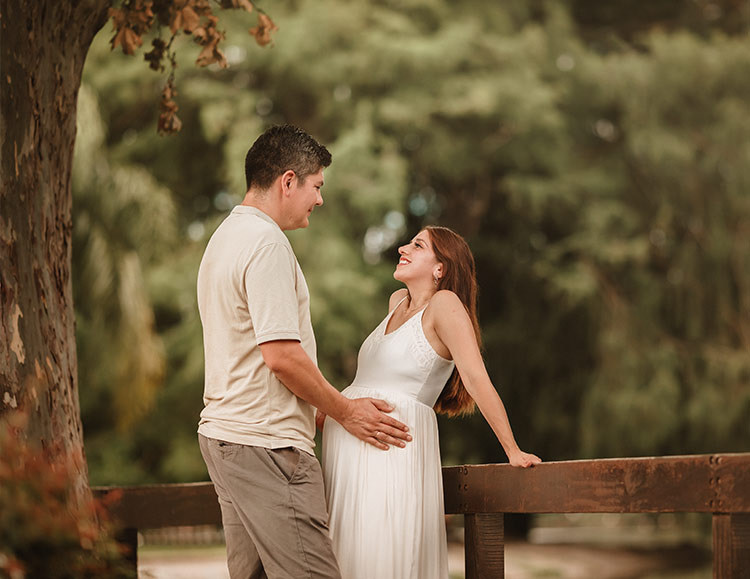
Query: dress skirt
{"type": "Point", "coordinates": [386, 507]}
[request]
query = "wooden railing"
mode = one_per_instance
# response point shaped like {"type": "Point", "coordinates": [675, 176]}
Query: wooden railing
{"type": "Point", "coordinates": [718, 484]}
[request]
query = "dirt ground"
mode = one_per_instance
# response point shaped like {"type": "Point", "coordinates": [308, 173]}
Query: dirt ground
{"type": "Point", "coordinates": [527, 561]}
{"type": "Point", "coordinates": [522, 561]}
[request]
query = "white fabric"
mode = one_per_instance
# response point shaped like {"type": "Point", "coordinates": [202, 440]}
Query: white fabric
{"type": "Point", "coordinates": [386, 507]}
{"type": "Point", "coordinates": [251, 290]}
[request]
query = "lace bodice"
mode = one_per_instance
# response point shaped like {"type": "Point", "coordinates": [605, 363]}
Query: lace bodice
{"type": "Point", "coordinates": [403, 361]}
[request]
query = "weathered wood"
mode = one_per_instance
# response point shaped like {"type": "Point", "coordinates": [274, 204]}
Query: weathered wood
{"type": "Point", "coordinates": [719, 484]}
{"type": "Point", "coordinates": [129, 539]}
{"type": "Point", "coordinates": [732, 481]}
{"type": "Point", "coordinates": [169, 505]}
{"type": "Point", "coordinates": [484, 544]}
{"type": "Point", "coordinates": [43, 46]}
{"type": "Point", "coordinates": [705, 483]}
{"type": "Point", "coordinates": [731, 549]}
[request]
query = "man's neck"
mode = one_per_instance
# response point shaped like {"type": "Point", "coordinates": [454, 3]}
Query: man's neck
{"type": "Point", "coordinates": [265, 203]}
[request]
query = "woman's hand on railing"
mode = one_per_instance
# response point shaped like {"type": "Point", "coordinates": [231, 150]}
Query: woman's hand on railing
{"type": "Point", "coordinates": [523, 459]}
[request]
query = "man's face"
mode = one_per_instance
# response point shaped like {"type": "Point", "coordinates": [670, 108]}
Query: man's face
{"type": "Point", "coordinates": [303, 198]}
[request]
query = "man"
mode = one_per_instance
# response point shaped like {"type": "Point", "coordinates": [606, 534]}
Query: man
{"type": "Point", "coordinates": [262, 382]}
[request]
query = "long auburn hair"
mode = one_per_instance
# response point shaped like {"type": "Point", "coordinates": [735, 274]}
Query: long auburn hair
{"type": "Point", "coordinates": [459, 276]}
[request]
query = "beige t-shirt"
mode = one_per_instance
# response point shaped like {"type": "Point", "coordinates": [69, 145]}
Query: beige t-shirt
{"type": "Point", "coordinates": [251, 290]}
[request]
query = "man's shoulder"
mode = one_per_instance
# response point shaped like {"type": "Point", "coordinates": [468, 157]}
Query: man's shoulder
{"type": "Point", "coordinates": [242, 239]}
{"type": "Point", "coordinates": [247, 229]}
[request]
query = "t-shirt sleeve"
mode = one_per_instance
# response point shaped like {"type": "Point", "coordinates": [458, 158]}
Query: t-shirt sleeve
{"type": "Point", "coordinates": [270, 286]}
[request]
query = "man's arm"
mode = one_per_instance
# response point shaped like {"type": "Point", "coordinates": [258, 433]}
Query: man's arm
{"type": "Point", "coordinates": [362, 417]}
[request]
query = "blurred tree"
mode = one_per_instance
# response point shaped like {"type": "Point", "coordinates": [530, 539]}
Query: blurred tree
{"type": "Point", "coordinates": [670, 252]}
{"type": "Point", "coordinates": [615, 250]}
{"type": "Point", "coordinates": [123, 219]}
{"type": "Point", "coordinates": [41, 76]}
{"type": "Point", "coordinates": [612, 23]}
{"type": "Point", "coordinates": [578, 170]}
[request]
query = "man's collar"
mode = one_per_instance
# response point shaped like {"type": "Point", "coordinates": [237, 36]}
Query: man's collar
{"type": "Point", "coordinates": [250, 209]}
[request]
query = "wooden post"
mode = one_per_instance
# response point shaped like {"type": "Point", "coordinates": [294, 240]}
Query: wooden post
{"type": "Point", "coordinates": [484, 546]}
{"type": "Point", "coordinates": [128, 537]}
{"type": "Point", "coordinates": [731, 545]}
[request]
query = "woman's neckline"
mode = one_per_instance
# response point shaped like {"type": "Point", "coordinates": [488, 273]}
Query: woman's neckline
{"type": "Point", "coordinates": [406, 321]}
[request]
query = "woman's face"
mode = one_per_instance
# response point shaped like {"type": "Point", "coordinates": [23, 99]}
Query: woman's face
{"type": "Point", "coordinates": [417, 260]}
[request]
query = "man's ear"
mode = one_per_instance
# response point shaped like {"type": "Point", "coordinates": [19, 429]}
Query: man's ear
{"type": "Point", "coordinates": [287, 180]}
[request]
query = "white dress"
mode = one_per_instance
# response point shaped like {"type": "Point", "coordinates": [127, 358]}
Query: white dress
{"type": "Point", "coordinates": [386, 507]}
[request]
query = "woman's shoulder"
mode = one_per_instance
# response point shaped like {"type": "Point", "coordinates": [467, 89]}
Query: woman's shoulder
{"type": "Point", "coordinates": [444, 298]}
{"type": "Point", "coordinates": [396, 297]}
{"type": "Point", "coordinates": [445, 309]}
{"type": "Point", "coordinates": [444, 315]}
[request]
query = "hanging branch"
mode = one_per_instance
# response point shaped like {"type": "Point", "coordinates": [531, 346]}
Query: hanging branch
{"type": "Point", "coordinates": [134, 18]}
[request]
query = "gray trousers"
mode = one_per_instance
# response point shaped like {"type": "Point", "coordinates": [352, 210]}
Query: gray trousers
{"type": "Point", "coordinates": [273, 510]}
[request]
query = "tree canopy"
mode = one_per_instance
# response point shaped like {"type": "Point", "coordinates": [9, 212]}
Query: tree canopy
{"type": "Point", "coordinates": [600, 173]}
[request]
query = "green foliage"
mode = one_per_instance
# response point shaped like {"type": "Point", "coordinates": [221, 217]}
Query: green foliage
{"type": "Point", "coordinates": [44, 530]}
{"type": "Point", "coordinates": [124, 219]}
{"type": "Point", "coordinates": [673, 276]}
{"type": "Point", "coordinates": [600, 174]}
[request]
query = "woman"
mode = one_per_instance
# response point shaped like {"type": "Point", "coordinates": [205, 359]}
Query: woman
{"type": "Point", "coordinates": [386, 508]}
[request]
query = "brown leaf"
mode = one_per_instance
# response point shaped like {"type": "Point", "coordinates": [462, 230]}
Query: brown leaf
{"type": "Point", "coordinates": [130, 41]}
{"type": "Point", "coordinates": [169, 123]}
{"type": "Point", "coordinates": [212, 20]}
{"type": "Point", "coordinates": [130, 23]}
{"type": "Point", "coordinates": [176, 22]}
{"type": "Point", "coordinates": [263, 31]}
{"type": "Point", "coordinates": [209, 38]}
{"type": "Point", "coordinates": [117, 16]}
{"type": "Point", "coordinates": [203, 7]}
{"type": "Point", "coordinates": [118, 20]}
{"type": "Point", "coordinates": [234, 4]}
{"type": "Point", "coordinates": [117, 38]}
{"type": "Point", "coordinates": [190, 20]}
{"type": "Point", "coordinates": [156, 55]}
{"type": "Point", "coordinates": [200, 35]}
{"type": "Point", "coordinates": [211, 54]}
{"type": "Point", "coordinates": [141, 15]}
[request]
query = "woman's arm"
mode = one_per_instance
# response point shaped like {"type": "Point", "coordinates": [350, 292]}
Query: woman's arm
{"type": "Point", "coordinates": [453, 327]}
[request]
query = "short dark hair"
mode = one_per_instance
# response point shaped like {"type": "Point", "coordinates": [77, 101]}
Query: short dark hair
{"type": "Point", "coordinates": [282, 148]}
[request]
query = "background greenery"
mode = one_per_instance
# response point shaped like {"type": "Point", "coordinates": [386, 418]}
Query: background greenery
{"type": "Point", "coordinates": [595, 155]}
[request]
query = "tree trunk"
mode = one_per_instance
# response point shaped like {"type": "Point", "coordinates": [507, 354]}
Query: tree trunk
{"type": "Point", "coordinates": [43, 47]}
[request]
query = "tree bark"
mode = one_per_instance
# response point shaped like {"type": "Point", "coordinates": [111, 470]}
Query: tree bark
{"type": "Point", "coordinates": [43, 47]}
